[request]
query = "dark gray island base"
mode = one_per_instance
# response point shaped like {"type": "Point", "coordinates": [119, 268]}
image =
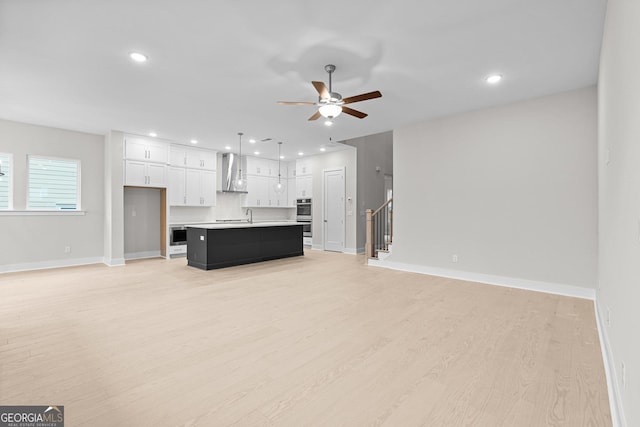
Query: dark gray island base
{"type": "Point", "coordinates": [217, 245]}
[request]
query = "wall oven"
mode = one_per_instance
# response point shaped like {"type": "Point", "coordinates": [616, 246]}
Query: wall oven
{"type": "Point", "coordinates": [303, 209]}
{"type": "Point", "coordinates": [304, 216]}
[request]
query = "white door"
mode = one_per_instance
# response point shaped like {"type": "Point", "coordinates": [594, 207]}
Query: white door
{"type": "Point", "coordinates": [334, 215]}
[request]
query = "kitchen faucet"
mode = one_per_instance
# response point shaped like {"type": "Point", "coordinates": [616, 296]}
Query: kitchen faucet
{"type": "Point", "coordinates": [250, 213]}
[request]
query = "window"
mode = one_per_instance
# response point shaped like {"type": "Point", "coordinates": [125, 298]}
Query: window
{"type": "Point", "coordinates": [54, 184]}
{"type": "Point", "coordinates": [6, 201]}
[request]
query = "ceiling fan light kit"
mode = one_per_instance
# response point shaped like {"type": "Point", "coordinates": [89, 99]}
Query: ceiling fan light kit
{"type": "Point", "coordinates": [330, 111]}
{"type": "Point", "coordinates": [331, 104]}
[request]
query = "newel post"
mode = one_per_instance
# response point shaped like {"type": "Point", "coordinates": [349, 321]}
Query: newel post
{"type": "Point", "coordinates": [368, 247]}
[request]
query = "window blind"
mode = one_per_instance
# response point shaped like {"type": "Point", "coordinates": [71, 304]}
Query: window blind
{"type": "Point", "coordinates": [53, 184]}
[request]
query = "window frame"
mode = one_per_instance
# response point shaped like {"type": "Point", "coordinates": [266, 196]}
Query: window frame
{"type": "Point", "coordinates": [10, 182]}
{"type": "Point", "coordinates": [78, 163]}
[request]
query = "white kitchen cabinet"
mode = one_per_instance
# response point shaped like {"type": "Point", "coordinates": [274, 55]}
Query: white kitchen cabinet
{"type": "Point", "coordinates": [303, 167]}
{"type": "Point", "coordinates": [304, 187]}
{"type": "Point", "coordinates": [257, 191]}
{"type": "Point", "coordinates": [145, 174]}
{"type": "Point", "coordinates": [291, 169]}
{"type": "Point", "coordinates": [200, 188]}
{"type": "Point", "coordinates": [291, 192]}
{"type": "Point", "coordinates": [146, 150]}
{"type": "Point", "coordinates": [257, 166]}
{"type": "Point", "coordinates": [200, 159]}
{"type": "Point", "coordinates": [191, 187]}
{"type": "Point", "coordinates": [277, 200]}
{"type": "Point", "coordinates": [177, 186]}
{"type": "Point", "coordinates": [196, 158]}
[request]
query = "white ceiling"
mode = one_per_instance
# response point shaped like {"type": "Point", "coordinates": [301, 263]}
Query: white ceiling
{"type": "Point", "coordinates": [218, 67]}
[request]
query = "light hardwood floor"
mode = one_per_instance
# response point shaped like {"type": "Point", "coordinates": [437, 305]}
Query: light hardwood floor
{"type": "Point", "coordinates": [319, 340]}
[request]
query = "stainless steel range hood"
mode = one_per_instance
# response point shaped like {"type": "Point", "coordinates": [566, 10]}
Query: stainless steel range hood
{"type": "Point", "coordinates": [231, 165]}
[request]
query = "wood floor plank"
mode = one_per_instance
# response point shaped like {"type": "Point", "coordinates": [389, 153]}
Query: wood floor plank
{"type": "Point", "coordinates": [314, 340]}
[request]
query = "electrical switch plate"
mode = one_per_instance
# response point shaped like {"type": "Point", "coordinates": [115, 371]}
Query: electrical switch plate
{"type": "Point", "coordinates": [624, 376]}
{"type": "Point", "coordinates": [202, 238]}
{"type": "Point", "coordinates": [454, 258]}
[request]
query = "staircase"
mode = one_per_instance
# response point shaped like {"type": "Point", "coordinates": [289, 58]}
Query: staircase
{"type": "Point", "coordinates": [379, 232]}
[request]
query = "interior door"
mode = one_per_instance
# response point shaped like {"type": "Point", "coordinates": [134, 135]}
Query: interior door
{"type": "Point", "coordinates": [334, 215]}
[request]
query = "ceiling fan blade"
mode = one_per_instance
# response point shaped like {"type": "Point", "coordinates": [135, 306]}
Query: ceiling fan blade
{"type": "Point", "coordinates": [316, 116]}
{"type": "Point", "coordinates": [354, 113]}
{"type": "Point", "coordinates": [362, 97]}
{"type": "Point", "coordinates": [296, 103]}
{"type": "Point", "coordinates": [322, 89]}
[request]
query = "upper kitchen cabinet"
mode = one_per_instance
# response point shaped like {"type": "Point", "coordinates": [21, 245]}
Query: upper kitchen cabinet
{"type": "Point", "coordinates": [145, 174]}
{"type": "Point", "coordinates": [303, 167]}
{"type": "Point", "coordinates": [145, 162]}
{"type": "Point", "coordinates": [146, 150]}
{"type": "Point", "coordinates": [190, 157]}
{"type": "Point", "coordinates": [261, 167]}
{"type": "Point", "coordinates": [291, 169]}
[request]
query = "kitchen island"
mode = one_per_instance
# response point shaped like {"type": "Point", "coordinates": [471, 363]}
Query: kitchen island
{"type": "Point", "coordinates": [211, 246]}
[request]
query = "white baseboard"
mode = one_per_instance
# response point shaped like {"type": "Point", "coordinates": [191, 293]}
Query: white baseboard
{"type": "Point", "coordinates": [511, 282]}
{"type": "Point", "coordinates": [11, 268]}
{"type": "Point", "coordinates": [142, 255]}
{"type": "Point", "coordinates": [114, 262]}
{"type": "Point", "coordinates": [350, 251]}
{"type": "Point", "coordinates": [615, 401]}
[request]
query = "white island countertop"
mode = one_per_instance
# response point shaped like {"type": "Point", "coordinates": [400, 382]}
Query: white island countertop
{"type": "Point", "coordinates": [222, 225]}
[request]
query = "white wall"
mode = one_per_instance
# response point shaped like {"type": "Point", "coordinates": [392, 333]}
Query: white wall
{"type": "Point", "coordinates": [619, 197]}
{"type": "Point", "coordinates": [344, 158]}
{"type": "Point", "coordinates": [511, 190]}
{"type": "Point", "coordinates": [39, 241]}
{"type": "Point", "coordinates": [228, 206]}
{"type": "Point", "coordinates": [114, 199]}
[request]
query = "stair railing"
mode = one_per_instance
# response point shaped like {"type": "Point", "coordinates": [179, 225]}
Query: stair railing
{"type": "Point", "coordinates": [379, 229]}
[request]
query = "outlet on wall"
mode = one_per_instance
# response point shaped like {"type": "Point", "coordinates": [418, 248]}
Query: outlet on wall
{"type": "Point", "coordinates": [454, 258]}
{"type": "Point", "coordinates": [624, 376]}
{"type": "Point", "coordinates": [67, 249]}
{"type": "Point", "coordinates": [608, 319]}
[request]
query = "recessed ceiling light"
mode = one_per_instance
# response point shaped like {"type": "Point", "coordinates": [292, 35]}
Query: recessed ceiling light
{"type": "Point", "coordinates": [494, 78]}
{"type": "Point", "coordinates": [138, 57]}
{"type": "Point", "coordinates": [300, 153]}
{"type": "Point", "coordinates": [257, 153]}
{"type": "Point", "coordinates": [281, 157]}
{"type": "Point", "coordinates": [323, 149]}
{"type": "Point", "coordinates": [227, 148]}
{"type": "Point", "coordinates": [253, 141]}
{"type": "Point", "coordinates": [193, 141]}
{"type": "Point", "coordinates": [153, 134]}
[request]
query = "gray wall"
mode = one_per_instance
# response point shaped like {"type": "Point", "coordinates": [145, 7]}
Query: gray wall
{"type": "Point", "coordinates": [373, 151]}
{"type": "Point", "coordinates": [619, 197]}
{"type": "Point", "coordinates": [39, 241]}
{"type": "Point", "coordinates": [142, 207]}
{"type": "Point", "coordinates": [511, 190]}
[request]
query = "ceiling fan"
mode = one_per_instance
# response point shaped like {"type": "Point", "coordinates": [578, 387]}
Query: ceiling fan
{"type": "Point", "coordinates": [331, 104]}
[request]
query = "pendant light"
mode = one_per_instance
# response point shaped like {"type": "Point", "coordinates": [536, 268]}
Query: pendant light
{"type": "Point", "coordinates": [279, 188]}
{"type": "Point", "coordinates": [241, 182]}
